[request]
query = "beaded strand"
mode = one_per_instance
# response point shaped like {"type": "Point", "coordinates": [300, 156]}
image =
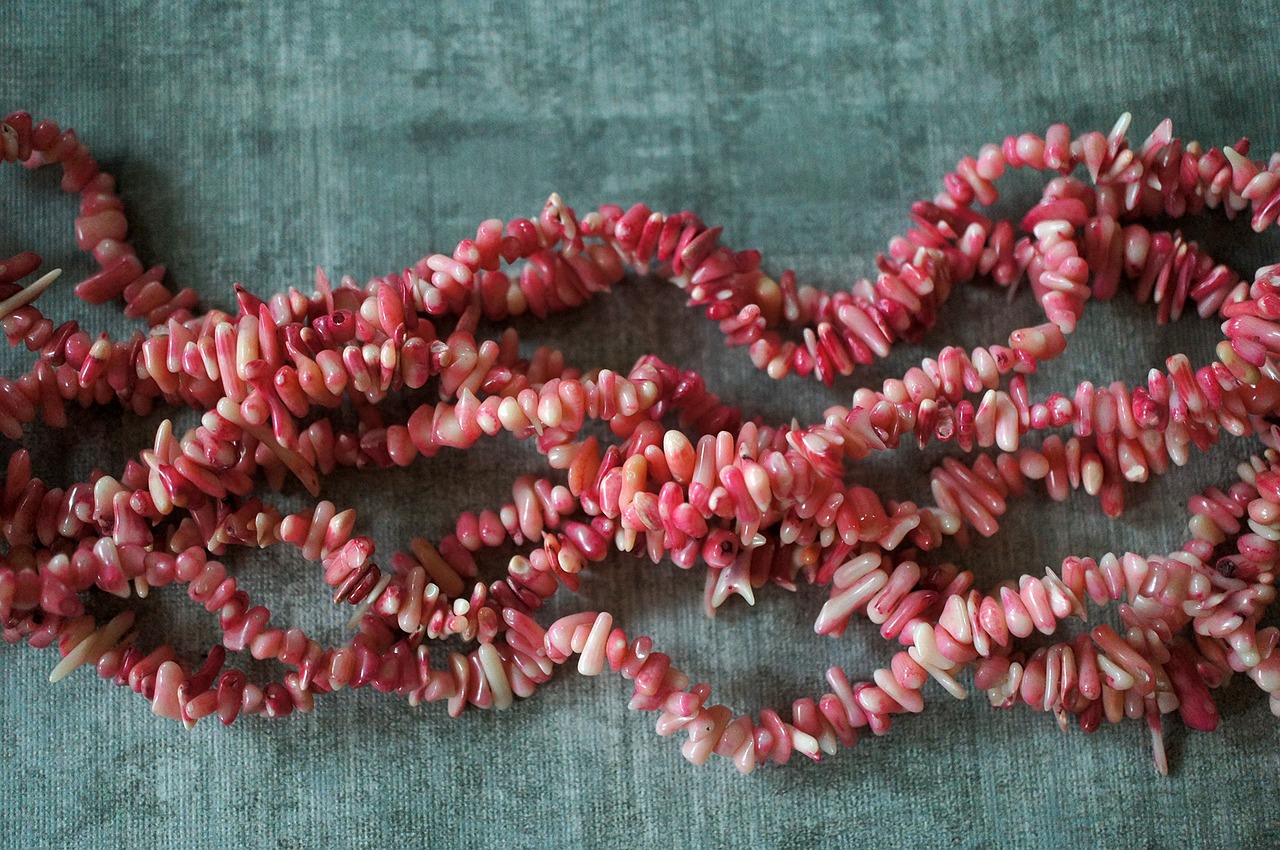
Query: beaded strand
{"type": "Point", "coordinates": [682, 477]}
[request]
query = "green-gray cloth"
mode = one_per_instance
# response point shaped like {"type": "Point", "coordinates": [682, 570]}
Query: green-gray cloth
{"type": "Point", "coordinates": [254, 141]}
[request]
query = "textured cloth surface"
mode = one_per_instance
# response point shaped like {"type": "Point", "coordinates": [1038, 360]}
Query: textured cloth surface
{"type": "Point", "coordinates": [252, 143]}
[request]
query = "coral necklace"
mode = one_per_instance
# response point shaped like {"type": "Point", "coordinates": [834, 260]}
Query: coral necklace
{"type": "Point", "coordinates": [677, 474]}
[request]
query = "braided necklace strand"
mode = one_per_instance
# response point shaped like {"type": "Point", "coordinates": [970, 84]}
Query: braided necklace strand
{"type": "Point", "coordinates": [683, 476]}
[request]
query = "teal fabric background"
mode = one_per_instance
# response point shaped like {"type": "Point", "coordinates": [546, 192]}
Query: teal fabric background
{"type": "Point", "coordinates": [254, 141]}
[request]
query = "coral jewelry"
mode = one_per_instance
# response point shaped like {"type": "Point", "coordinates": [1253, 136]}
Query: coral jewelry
{"type": "Point", "coordinates": [652, 462]}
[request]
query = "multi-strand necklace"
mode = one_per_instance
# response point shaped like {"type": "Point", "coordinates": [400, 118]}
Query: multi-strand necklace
{"type": "Point", "coordinates": [653, 463]}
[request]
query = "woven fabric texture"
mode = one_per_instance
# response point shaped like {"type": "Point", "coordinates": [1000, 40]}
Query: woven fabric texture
{"type": "Point", "coordinates": [254, 141]}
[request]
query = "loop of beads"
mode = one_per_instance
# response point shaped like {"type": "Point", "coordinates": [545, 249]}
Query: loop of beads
{"type": "Point", "coordinates": [681, 475]}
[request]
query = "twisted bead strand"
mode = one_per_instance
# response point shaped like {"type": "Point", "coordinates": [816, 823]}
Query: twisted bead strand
{"type": "Point", "coordinates": [756, 504]}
